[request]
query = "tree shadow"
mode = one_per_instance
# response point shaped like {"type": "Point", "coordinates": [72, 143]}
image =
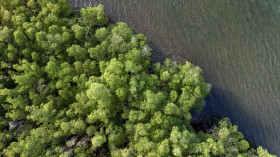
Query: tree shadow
{"type": "Point", "coordinates": [221, 103]}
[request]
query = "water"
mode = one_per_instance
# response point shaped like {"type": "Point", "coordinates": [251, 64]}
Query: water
{"type": "Point", "coordinates": [235, 42]}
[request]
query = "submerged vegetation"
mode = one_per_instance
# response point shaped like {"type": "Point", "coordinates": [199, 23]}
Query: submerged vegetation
{"type": "Point", "coordinates": [74, 85]}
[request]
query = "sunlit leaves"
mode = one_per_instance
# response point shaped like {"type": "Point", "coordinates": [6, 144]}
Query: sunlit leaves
{"type": "Point", "coordinates": [123, 31]}
{"type": "Point", "coordinates": [172, 109]}
{"type": "Point", "coordinates": [20, 38]}
{"type": "Point", "coordinates": [101, 33]}
{"type": "Point", "coordinates": [101, 94]}
{"type": "Point", "coordinates": [163, 147]}
{"type": "Point", "coordinates": [79, 31]}
{"type": "Point", "coordinates": [98, 140]}
{"type": "Point", "coordinates": [73, 127]}
{"type": "Point", "coordinates": [93, 16]}
{"type": "Point", "coordinates": [263, 153]}
{"type": "Point", "coordinates": [78, 52]}
{"type": "Point", "coordinates": [5, 34]}
{"type": "Point", "coordinates": [144, 145]}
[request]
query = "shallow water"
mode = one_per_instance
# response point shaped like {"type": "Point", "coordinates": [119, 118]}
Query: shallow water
{"type": "Point", "coordinates": [235, 42]}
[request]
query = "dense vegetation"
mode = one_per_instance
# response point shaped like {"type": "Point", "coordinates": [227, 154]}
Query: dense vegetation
{"type": "Point", "coordinates": [74, 85]}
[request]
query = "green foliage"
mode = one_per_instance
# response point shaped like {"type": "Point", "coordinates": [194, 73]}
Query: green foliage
{"type": "Point", "coordinates": [78, 52]}
{"type": "Point", "coordinates": [79, 31]}
{"type": "Point", "coordinates": [5, 34]}
{"type": "Point", "coordinates": [20, 38]}
{"type": "Point", "coordinates": [263, 153]}
{"type": "Point", "coordinates": [93, 16]}
{"type": "Point", "coordinates": [73, 85]}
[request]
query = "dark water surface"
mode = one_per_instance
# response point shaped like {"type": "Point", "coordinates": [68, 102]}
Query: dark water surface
{"type": "Point", "coordinates": [235, 42]}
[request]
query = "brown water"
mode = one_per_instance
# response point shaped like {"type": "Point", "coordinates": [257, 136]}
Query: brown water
{"type": "Point", "coordinates": [235, 42]}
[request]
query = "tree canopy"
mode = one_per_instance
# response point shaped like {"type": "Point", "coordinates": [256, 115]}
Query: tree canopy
{"type": "Point", "coordinates": [72, 84]}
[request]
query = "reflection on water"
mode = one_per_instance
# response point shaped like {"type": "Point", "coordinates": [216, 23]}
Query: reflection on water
{"type": "Point", "coordinates": [236, 43]}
